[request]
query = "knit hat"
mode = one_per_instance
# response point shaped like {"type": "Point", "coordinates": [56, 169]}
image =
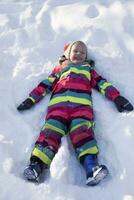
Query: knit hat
{"type": "Point", "coordinates": [68, 47]}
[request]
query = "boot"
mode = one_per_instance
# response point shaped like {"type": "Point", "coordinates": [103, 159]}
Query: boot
{"type": "Point", "coordinates": [95, 172]}
{"type": "Point", "coordinates": [33, 171]}
{"type": "Point", "coordinates": [97, 175]}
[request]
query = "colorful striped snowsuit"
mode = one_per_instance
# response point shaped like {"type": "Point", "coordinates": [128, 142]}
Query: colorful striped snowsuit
{"type": "Point", "coordinates": [70, 109]}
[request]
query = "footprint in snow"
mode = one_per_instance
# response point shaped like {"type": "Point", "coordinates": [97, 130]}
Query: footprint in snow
{"type": "Point", "coordinates": [92, 11]}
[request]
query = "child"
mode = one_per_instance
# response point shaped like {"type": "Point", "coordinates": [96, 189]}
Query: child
{"type": "Point", "coordinates": [70, 111]}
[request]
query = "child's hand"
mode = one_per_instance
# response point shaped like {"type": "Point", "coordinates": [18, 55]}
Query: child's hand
{"type": "Point", "coordinates": [122, 104]}
{"type": "Point", "coordinates": [25, 105]}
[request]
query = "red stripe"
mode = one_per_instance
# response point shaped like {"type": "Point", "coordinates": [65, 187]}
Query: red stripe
{"type": "Point", "coordinates": [48, 140]}
{"type": "Point", "coordinates": [81, 135]}
{"type": "Point", "coordinates": [82, 85]}
{"type": "Point", "coordinates": [112, 93]}
{"type": "Point", "coordinates": [38, 91]}
{"type": "Point", "coordinates": [82, 112]}
{"type": "Point", "coordinates": [52, 142]}
{"type": "Point", "coordinates": [58, 112]}
{"type": "Point", "coordinates": [57, 69]}
{"type": "Point", "coordinates": [56, 107]}
{"type": "Point", "coordinates": [66, 112]}
{"type": "Point", "coordinates": [41, 138]}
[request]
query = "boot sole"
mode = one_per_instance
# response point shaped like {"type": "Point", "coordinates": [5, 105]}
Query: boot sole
{"type": "Point", "coordinates": [98, 178]}
{"type": "Point", "coordinates": [30, 175]}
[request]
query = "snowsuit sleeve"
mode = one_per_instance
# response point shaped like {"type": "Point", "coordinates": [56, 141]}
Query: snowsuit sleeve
{"type": "Point", "coordinates": [45, 86]}
{"type": "Point", "coordinates": [103, 86]}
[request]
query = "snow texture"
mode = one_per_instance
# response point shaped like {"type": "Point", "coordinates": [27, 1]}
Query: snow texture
{"type": "Point", "coordinates": [32, 36]}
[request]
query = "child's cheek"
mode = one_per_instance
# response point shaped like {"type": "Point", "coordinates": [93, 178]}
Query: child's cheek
{"type": "Point", "coordinates": [72, 57]}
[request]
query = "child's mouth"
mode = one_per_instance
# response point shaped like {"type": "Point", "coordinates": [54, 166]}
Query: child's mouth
{"type": "Point", "coordinates": [78, 58]}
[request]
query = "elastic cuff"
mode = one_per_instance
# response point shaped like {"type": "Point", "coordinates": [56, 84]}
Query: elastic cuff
{"type": "Point", "coordinates": [32, 99]}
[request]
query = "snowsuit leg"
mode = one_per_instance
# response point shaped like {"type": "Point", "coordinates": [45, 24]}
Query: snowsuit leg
{"type": "Point", "coordinates": [49, 139]}
{"type": "Point", "coordinates": [82, 131]}
{"type": "Point", "coordinates": [82, 137]}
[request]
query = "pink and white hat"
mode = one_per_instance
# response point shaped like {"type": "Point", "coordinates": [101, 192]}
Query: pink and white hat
{"type": "Point", "coordinates": [68, 47]}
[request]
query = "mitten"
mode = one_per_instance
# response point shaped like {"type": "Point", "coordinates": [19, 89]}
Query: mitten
{"type": "Point", "coordinates": [91, 62]}
{"type": "Point", "coordinates": [123, 104]}
{"type": "Point", "coordinates": [25, 105]}
{"type": "Point", "coordinates": [62, 59]}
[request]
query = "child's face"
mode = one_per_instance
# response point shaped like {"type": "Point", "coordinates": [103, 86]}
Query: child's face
{"type": "Point", "coordinates": [78, 53]}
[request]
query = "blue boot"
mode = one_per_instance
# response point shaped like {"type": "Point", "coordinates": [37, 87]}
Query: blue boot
{"type": "Point", "coordinates": [95, 172]}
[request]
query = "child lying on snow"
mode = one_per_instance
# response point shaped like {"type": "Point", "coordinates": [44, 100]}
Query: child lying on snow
{"type": "Point", "coordinates": [70, 111]}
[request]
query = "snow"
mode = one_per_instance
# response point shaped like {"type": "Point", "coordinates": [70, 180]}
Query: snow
{"type": "Point", "coordinates": [32, 36]}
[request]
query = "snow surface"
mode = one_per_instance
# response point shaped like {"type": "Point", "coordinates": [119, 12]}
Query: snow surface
{"type": "Point", "coordinates": [32, 35]}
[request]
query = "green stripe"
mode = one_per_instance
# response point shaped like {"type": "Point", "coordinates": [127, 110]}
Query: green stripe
{"type": "Point", "coordinates": [47, 82]}
{"type": "Point", "coordinates": [86, 123]}
{"type": "Point", "coordinates": [46, 150]}
{"type": "Point", "coordinates": [73, 94]}
{"type": "Point", "coordinates": [54, 128]}
{"type": "Point", "coordinates": [77, 121]}
{"type": "Point", "coordinates": [57, 124]}
{"type": "Point", "coordinates": [71, 99]}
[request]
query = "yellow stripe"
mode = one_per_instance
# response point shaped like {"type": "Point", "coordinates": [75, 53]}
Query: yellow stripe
{"type": "Point", "coordinates": [32, 99]}
{"type": "Point", "coordinates": [88, 124]}
{"type": "Point", "coordinates": [77, 71]}
{"type": "Point", "coordinates": [104, 86]}
{"type": "Point", "coordinates": [51, 79]}
{"type": "Point", "coordinates": [49, 126]}
{"type": "Point", "coordinates": [87, 65]}
{"type": "Point", "coordinates": [65, 74]}
{"type": "Point", "coordinates": [36, 152]}
{"type": "Point", "coordinates": [84, 72]}
{"type": "Point", "coordinates": [71, 99]}
{"type": "Point", "coordinates": [92, 150]}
